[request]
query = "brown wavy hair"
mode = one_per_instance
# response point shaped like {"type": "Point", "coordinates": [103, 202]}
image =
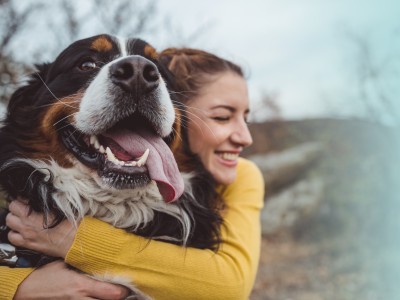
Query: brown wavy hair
{"type": "Point", "coordinates": [194, 68]}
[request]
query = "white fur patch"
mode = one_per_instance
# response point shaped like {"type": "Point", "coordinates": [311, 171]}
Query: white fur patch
{"type": "Point", "coordinates": [81, 192]}
{"type": "Point", "coordinates": [97, 107]}
{"type": "Point", "coordinates": [168, 116]}
{"type": "Point", "coordinates": [3, 111]}
{"type": "Point", "coordinates": [122, 46]}
{"type": "Point", "coordinates": [99, 112]}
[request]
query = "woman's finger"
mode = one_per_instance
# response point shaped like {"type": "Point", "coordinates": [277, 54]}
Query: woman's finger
{"type": "Point", "coordinates": [18, 208]}
{"type": "Point", "coordinates": [13, 222]}
{"type": "Point", "coordinates": [16, 239]}
{"type": "Point", "coordinates": [106, 290]}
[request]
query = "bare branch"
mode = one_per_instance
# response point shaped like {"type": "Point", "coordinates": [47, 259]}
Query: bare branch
{"type": "Point", "coordinates": [127, 17]}
{"type": "Point", "coordinates": [371, 74]}
{"type": "Point", "coordinates": [13, 20]}
{"type": "Point", "coordinates": [72, 22]}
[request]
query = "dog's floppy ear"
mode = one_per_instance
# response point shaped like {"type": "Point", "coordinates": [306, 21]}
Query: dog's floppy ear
{"type": "Point", "coordinates": [166, 74]}
{"type": "Point", "coordinates": [23, 97]}
{"type": "Point", "coordinates": [21, 115]}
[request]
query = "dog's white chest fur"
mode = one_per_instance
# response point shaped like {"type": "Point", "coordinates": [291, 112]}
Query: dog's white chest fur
{"type": "Point", "coordinates": [80, 192]}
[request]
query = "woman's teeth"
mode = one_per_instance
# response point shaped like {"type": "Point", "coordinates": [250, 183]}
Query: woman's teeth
{"type": "Point", "coordinates": [229, 156]}
{"type": "Point", "coordinates": [94, 141]}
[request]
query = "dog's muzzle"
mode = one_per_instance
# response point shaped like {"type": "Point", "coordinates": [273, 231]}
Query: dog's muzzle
{"type": "Point", "coordinates": [124, 114]}
{"type": "Point", "coordinates": [135, 74]}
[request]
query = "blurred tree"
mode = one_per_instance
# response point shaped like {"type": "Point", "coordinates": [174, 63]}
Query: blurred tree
{"type": "Point", "coordinates": [268, 108]}
{"type": "Point", "coordinates": [269, 101]}
{"type": "Point", "coordinates": [376, 80]}
{"type": "Point", "coordinates": [11, 24]}
{"type": "Point", "coordinates": [268, 126]}
{"type": "Point", "coordinates": [65, 21]}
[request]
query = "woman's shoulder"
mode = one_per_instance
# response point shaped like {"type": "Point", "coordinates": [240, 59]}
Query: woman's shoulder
{"type": "Point", "coordinates": [248, 176]}
{"type": "Point", "coordinates": [248, 188]}
{"type": "Point", "coordinates": [247, 168]}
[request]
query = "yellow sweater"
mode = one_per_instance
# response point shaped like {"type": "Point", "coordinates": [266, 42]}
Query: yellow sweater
{"type": "Point", "coordinates": [166, 271]}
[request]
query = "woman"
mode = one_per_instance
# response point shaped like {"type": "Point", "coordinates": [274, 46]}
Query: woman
{"type": "Point", "coordinates": [216, 97]}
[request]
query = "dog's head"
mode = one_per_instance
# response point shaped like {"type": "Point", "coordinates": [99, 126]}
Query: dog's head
{"type": "Point", "coordinates": [102, 105]}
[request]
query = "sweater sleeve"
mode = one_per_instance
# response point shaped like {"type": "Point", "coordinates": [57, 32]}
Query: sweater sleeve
{"type": "Point", "coordinates": [166, 271]}
{"type": "Point", "coordinates": [10, 279]}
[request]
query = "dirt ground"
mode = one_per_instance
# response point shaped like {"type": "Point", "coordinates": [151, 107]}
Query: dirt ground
{"type": "Point", "coordinates": [296, 270]}
{"type": "Point", "coordinates": [342, 267]}
{"type": "Point", "coordinates": [350, 248]}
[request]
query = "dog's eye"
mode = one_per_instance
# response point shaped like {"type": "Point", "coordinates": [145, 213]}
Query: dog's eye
{"type": "Point", "coordinates": [87, 66]}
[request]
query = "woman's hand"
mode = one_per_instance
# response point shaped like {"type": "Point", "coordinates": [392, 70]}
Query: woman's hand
{"type": "Point", "coordinates": [27, 231]}
{"type": "Point", "coordinates": [56, 281]}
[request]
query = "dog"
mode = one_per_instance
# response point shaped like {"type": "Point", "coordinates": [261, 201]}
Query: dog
{"type": "Point", "coordinates": [96, 132]}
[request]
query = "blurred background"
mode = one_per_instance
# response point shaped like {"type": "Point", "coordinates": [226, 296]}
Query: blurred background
{"type": "Point", "coordinates": [324, 85]}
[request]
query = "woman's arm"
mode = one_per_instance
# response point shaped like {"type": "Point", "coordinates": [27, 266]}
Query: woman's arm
{"type": "Point", "coordinates": [10, 279]}
{"type": "Point", "coordinates": [166, 271]}
{"type": "Point", "coordinates": [54, 281]}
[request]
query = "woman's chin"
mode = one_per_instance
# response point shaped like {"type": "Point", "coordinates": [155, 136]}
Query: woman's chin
{"type": "Point", "coordinates": [222, 170]}
{"type": "Point", "coordinates": [224, 175]}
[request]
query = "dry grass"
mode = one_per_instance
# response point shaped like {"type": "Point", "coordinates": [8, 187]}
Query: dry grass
{"type": "Point", "coordinates": [348, 249]}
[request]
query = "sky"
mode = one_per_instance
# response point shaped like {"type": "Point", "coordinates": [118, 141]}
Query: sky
{"type": "Point", "coordinates": [303, 53]}
{"type": "Point", "coordinates": [300, 51]}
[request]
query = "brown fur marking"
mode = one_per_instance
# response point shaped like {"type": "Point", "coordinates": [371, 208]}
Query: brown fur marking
{"type": "Point", "coordinates": [149, 51]}
{"type": "Point", "coordinates": [45, 142]}
{"type": "Point", "coordinates": [101, 44]}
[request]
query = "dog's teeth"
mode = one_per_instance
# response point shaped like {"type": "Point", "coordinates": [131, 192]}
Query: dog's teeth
{"type": "Point", "coordinates": [131, 164]}
{"type": "Point", "coordinates": [110, 155]}
{"type": "Point", "coordinates": [116, 162]}
{"type": "Point", "coordinates": [143, 158]}
{"type": "Point", "coordinates": [95, 142]}
{"type": "Point", "coordinates": [92, 139]}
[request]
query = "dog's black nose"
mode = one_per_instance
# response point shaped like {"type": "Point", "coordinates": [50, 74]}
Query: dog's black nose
{"type": "Point", "coordinates": [135, 74]}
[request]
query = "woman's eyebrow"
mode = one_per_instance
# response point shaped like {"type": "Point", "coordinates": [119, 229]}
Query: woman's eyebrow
{"type": "Point", "coordinates": [230, 108]}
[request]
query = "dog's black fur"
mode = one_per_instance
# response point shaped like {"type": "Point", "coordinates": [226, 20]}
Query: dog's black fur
{"type": "Point", "coordinates": [23, 140]}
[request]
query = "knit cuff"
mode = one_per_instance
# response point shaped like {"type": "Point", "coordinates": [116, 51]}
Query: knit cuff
{"type": "Point", "coordinates": [10, 279]}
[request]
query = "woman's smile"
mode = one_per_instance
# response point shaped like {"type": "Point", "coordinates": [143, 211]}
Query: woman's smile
{"type": "Point", "coordinates": [218, 132]}
{"type": "Point", "coordinates": [228, 159]}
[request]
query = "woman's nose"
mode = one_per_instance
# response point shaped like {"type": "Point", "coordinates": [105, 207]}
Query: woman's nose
{"type": "Point", "coordinates": [242, 135]}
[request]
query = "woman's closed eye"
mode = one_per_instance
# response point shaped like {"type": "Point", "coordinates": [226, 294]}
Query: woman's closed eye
{"type": "Point", "coordinates": [221, 118]}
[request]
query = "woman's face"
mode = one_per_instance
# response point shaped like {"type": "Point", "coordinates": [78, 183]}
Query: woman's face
{"type": "Point", "coordinates": [217, 125]}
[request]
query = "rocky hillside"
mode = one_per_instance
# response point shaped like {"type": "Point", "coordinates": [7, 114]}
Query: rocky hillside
{"type": "Point", "coordinates": [346, 249]}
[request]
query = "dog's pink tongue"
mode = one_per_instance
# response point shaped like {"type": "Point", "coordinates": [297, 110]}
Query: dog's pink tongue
{"type": "Point", "coordinates": [160, 163]}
